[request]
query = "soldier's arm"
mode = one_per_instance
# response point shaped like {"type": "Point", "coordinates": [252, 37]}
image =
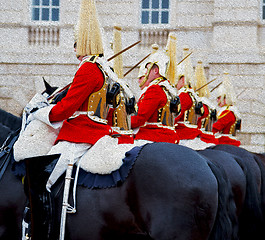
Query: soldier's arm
{"type": "Point", "coordinates": [85, 82]}
{"type": "Point", "coordinates": [154, 98]}
{"type": "Point", "coordinates": [224, 120]}
{"type": "Point", "coordinates": [186, 104]}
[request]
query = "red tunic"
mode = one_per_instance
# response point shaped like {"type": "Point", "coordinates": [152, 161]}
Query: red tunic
{"type": "Point", "coordinates": [228, 140]}
{"type": "Point", "coordinates": [183, 130]}
{"type": "Point", "coordinates": [205, 114]}
{"type": "Point", "coordinates": [208, 137]}
{"type": "Point", "coordinates": [82, 129]}
{"type": "Point", "coordinates": [187, 132]}
{"type": "Point", "coordinates": [225, 120]}
{"type": "Point", "coordinates": [153, 99]}
{"type": "Point", "coordinates": [186, 103]}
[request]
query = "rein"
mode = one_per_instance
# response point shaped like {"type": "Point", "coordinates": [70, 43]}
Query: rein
{"type": "Point", "coordinates": [5, 151]}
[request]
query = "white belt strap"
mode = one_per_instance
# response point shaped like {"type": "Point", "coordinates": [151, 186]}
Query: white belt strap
{"type": "Point", "coordinates": [90, 114]}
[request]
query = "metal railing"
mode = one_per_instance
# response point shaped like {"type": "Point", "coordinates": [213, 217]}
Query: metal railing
{"type": "Point", "coordinates": [149, 37]}
{"type": "Point", "coordinates": [43, 36]}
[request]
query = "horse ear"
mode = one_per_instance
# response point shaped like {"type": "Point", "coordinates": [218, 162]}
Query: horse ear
{"type": "Point", "coordinates": [48, 88]}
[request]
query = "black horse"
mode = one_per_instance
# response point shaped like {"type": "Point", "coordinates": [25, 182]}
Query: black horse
{"type": "Point", "coordinates": [246, 173]}
{"type": "Point", "coordinates": [12, 197]}
{"type": "Point", "coordinates": [172, 192]}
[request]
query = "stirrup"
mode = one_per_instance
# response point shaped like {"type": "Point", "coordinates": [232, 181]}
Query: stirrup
{"type": "Point", "coordinates": [26, 224]}
{"type": "Point", "coordinates": [69, 208]}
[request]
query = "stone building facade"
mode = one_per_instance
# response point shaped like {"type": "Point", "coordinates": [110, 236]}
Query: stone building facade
{"type": "Point", "coordinates": [37, 41]}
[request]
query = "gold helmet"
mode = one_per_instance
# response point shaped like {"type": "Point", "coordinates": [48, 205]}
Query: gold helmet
{"type": "Point", "coordinates": [186, 69]}
{"type": "Point", "coordinates": [171, 50]}
{"type": "Point", "coordinates": [226, 90]}
{"type": "Point", "coordinates": [142, 70]}
{"type": "Point", "coordinates": [180, 72]}
{"type": "Point", "coordinates": [88, 35]}
{"type": "Point", "coordinates": [117, 47]}
{"type": "Point", "coordinates": [201, 80]}
{"type": "Point", "coordinates": [160, 59]}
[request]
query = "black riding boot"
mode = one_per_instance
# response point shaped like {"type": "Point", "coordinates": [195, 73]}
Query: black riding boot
{"type": "Point", "coordinates": [40, 200]}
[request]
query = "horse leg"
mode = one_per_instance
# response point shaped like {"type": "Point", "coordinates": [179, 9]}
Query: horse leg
{"type": "Point", "coordinates": [12, 202]}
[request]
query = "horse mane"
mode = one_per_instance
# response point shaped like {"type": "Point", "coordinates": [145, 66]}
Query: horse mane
{"type": "Point", "coordinates": [9, 120]}
{"type": "Point", "coordinates": [9, 125]}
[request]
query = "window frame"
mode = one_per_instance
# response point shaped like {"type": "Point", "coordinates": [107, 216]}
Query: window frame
{"type": "Point", "coordinates": [160, 10]}
{"type": "Point", "coordinates": [262, 10]}
{"type": "Point", "coordinates": [41, 7]}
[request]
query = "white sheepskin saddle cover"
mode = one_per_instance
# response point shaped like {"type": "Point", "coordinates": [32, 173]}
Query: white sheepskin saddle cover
{"type": "Point", "coordinates": [36, 140]}
{"type": "Point", "coordinates": [106, 155]}
{"type": "Point", "coordinates": [195, 144]}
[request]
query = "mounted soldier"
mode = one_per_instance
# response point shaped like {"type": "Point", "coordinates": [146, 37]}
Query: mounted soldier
{"type": "Point", "coordinates": [154, 120]}
{"type": "Point", "coordinates": [204, 109]}
{"type": "Point", "coordinates": [84, 109]}
{"type": "Point", "coordinates": [142, 68]}
{"type": "Point", "coordinates": [228, 117]}
{"type": "Point", "coordinates": [79, 119]}
{"type": "Point", "coordinates": [185, 122]}
{"type": "Point", "coordinates": [120, 105]}
{"type": "Point", "coordinates": [185, 85]}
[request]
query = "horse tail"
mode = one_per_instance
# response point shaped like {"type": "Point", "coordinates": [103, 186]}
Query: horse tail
{"type": "Point", "coordinates": [262, 189]}
{"type": "Point", "coordinates": [226, 224]}
{"type": "Point", "coordinates": [251, 223]}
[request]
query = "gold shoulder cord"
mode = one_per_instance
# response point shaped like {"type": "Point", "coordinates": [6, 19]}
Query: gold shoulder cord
{"type": "Point", "coordinates": [165, 116]}
{"type": "Point", "coordinates": [158, 80]}
{"type": "Point", "coordinates": [221, 116]}
{"type": "Point", "coordinates": [190, 115]}
{"type": "Point", "coordinates": [97, 101]}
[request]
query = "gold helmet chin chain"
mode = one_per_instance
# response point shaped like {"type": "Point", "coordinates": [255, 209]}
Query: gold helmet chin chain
{"type": "Point", "coordinates": [146, 75]}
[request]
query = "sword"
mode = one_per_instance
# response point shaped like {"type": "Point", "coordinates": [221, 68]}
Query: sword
{"type": "Point", "coordinates": [205, 85]}
{"type": "Point", "coordinates": [68, 178]}
{"type": "Point", "coordinates": [184, 58]}
{"type": "Point", "coordinates": [122, 51]}
{"type": "Point", "coordinates": [137, 64]}
{"type": "Point", "coordinates": [216, 86]}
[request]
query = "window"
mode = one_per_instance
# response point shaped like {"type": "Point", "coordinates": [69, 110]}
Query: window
{"type": "Point", "coordinates": [45, 10]}
{"type": "Point", "coordinates": [155, 12]}
{"type": "Point", "coordinates": [263, 10]}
